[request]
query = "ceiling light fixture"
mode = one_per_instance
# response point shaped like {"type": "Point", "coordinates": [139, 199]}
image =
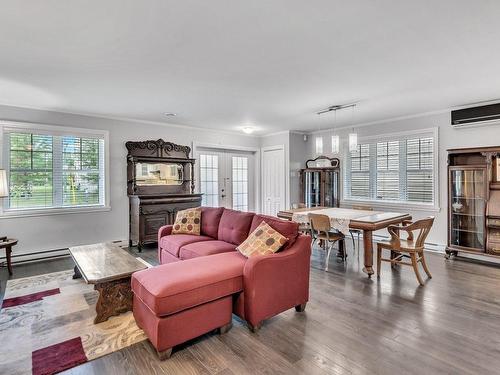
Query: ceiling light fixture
{"type": "Point", "coordinates": [336, 108]}
{"type": "Point", "coordinates": [353, 137]}
{"type": "Point", "coordinates": [248, 129]}
{"type": "Point", "coordinates": [170, 114]}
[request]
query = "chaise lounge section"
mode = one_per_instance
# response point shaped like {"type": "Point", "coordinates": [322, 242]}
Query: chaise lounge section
{"type": "Point", "coordinates": [203, 279]}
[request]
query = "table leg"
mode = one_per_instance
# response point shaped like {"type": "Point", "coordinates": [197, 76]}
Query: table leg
{"type": "Point", "coordinates": [115, 297]}
{"type": "Point", "coordinates": [77, 274]}
{"type": "Point", "coordinates": [8, 252]}
{"type": "Point", "coordinates": [341, 253]}
{"type": "Point", "coordinates": [368, 247]}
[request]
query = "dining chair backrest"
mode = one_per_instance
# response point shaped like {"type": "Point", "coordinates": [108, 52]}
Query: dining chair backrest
{"type": "Point", "coordinates": [422, 226]}
{"type": "Point", "coordinates": [319, 223]}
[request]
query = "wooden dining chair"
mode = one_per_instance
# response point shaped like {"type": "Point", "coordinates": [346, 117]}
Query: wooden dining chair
{"type": "Point", "coordinates": [357, 231]}
{"type": "Point", "coordinates": [406, 248]}
{"type": "Point", "coordinates": [322, 230]}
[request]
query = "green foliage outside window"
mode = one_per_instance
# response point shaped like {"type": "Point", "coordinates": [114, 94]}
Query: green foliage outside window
{"type": "Point", "coordinates": [34, 182]}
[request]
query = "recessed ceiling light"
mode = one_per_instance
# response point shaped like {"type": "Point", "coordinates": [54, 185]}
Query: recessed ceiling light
{"type": "Point", "coordinates": [248, 129]}
{"type": "Point", "coordinates": [170, 114]}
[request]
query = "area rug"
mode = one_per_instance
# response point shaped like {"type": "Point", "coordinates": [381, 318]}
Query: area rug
{"type": "Point", "coordinates": [46, 325]}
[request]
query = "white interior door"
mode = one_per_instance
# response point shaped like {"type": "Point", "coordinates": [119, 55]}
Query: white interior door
{"type": "Point", "coordinates": [273, 180]}
{"type": "Point", "coordinates": [226, 179]}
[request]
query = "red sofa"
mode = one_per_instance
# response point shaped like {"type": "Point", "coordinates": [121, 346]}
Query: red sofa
{"type": "Point", "coordinates": [200, 275]}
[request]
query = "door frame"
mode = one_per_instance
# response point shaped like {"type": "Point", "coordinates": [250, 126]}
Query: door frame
{"type": "Point", "coordinates": [231, 148]}
{"type": "Point", "coordinates": [286, 176]}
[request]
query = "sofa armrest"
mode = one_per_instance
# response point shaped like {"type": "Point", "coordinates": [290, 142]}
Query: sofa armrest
{"type": "Point", "coordinates": [165, 230]}
{"type": "Point", "coordinates": [274, 283]}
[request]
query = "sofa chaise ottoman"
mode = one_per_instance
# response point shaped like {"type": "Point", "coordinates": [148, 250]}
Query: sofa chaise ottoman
{"type": "Point", "coordinates": [203, 278]}
{"type": "Point", "coordinates": [176, 302]}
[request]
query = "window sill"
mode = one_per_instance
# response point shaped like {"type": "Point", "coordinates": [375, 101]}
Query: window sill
{"type": "Point", "coordinates": [398, 206]}
{"type": "Point", "coordinates": [11, 214]}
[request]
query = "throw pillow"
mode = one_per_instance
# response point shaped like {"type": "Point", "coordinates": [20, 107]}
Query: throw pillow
{"type": "Point", "coordinates": [188, 222]}
{"type": "Point", "coordinates": [263, 240]}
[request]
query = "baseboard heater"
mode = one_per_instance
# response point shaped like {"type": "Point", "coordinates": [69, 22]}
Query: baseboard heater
{"type": "Point", "coordinates": [47, 254]}
{"type": "Point", "coordinates": [427, 246]}
{"type": "Point", "coordinates": [43, 255]}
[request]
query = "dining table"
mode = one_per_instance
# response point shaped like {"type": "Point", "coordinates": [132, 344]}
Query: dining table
{"type": "Point", "coordinates": [344, 219]}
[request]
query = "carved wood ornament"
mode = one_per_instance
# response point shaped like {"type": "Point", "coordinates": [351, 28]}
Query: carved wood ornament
{"type": "Point", "coordinates": [158, 148]}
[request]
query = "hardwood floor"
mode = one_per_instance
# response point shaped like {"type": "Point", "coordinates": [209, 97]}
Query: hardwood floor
{"type": "Point", "coordinates": [352, 325]}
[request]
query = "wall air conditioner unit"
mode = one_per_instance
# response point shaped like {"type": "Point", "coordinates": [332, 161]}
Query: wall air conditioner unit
{"type": "Point", "coordinates": [476, 116]}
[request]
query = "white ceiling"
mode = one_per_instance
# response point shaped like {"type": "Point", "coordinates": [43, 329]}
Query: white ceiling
{"type": "Point", "coordinates": [222, 64]}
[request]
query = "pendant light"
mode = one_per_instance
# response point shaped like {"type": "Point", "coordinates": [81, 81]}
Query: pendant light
{"type": "Point", "coordinates": [353, 141]}
{"type": "Point", "coordinates": [353, 137]}
{"type": "Point", "coordinates": [335, 137]}
{"type": "Point", "coordinates": [319, 145]}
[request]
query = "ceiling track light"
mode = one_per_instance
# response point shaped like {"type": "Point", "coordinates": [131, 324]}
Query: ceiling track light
{"type": "Point", "coordinates": [336, 108]}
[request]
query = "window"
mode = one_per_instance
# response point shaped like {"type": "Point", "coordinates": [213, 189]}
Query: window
{"type": "Point", "coordinates": [388, 170]}
{"type": "Point", "coordinates": [401, 170]}
{"type": "Point", "coordinates": [240, 183]}
{"type": "Point", "coordinates": [360, 172]}
{"type": "Point", "coordinates": [209, 180]}
{"type": "Point", "coordinates": [49, 168]}
{"type": "Point", "coordinates": [419, 169]}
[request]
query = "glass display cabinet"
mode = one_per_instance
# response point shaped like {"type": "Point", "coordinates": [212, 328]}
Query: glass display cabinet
{"type": "Point", "coordinates": [468, 207]}
{"type": "Point", "coordinates": [474, 201]}
{"type": "Point", "coordinates": [320, 182]}
{"type": "Point", "coordinates": [160, 182]}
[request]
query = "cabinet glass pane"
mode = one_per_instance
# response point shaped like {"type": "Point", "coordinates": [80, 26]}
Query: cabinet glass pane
{"type": "Point", "coordinates": [312, 189]}
{"type": "Point", "coordinates": [468, 208]}
{"type": "Point", "coordinates": [331, 186]}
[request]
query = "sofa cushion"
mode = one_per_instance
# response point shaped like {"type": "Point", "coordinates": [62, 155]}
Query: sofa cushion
{"type": "Point", "coordinates": [210, 218]}
{"type": "Point", "coordinates": [174, 242]}
{"type": "Point", "coordinates": [234, 226]}
{"type": "Point", "coordinates": [174, 287]}
{"type": "Point", "coordinates": [166, 257]}
{"type": "Point", "coordinates": [264, 240]}
{"type": "Point", "coordinates": [187, 222]}
{"type": "Point", "coordinates": [289, 229]}
{"type": "Point", "coordinates": [199, 249]}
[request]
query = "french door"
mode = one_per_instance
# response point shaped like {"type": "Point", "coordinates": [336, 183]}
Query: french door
{"type": "Point", "coordinates": [226, 179]}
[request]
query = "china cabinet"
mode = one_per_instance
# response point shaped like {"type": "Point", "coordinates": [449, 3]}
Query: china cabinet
{"type": "Point", "coordinates": [474, 201]}
{"type": "Point", "coordinates": [320, 182]}
{"type": "Point", "coordinates": [160, 182]}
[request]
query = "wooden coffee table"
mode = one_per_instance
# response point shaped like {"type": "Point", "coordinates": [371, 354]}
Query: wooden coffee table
{"type": "Point", "coordinates": [109, 268]}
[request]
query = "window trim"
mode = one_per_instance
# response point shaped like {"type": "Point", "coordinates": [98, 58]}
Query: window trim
{"type": "Point", "coordinates": [57, 131]}
{"type": "Point", "coordinates": [395, 204]}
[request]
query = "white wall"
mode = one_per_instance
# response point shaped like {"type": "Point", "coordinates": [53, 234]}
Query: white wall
{"type": "Point", "coordinates": [60, 231]}
{"type": "Point", "coordinates": [448, 138]}
{"type": "Point", "coordinates": [298, 156]}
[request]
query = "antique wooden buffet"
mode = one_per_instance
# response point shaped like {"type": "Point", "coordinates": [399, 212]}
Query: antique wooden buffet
{"type": "Point", "coordinates": [474, 201]}
{"type": "Point", "coordinates": [160, 182]}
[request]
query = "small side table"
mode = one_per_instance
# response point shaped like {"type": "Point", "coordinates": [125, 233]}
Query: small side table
{"type": "Point", "coordinates": [7, 243]}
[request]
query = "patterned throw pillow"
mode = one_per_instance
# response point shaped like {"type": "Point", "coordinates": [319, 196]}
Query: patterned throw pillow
{"type": "Point", "coordinates": [263, 240]}
{"type": "Point", "coordinates": [188, 222]}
